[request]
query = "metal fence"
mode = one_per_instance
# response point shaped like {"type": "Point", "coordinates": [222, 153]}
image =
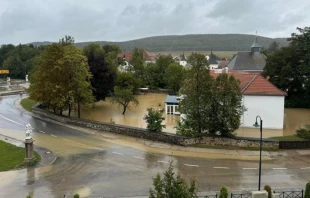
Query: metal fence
{"type": "Point", "coordinates": [246, 195]}
{"type": "Point", "coordinates": [291, 194]}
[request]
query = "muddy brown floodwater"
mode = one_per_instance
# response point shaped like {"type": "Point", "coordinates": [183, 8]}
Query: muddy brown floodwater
{"type": "Point", "coordinates": [106, 112]}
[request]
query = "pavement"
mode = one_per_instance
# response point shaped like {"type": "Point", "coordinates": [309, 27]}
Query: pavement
{"type": "Point", "coordinates": [99, 164]}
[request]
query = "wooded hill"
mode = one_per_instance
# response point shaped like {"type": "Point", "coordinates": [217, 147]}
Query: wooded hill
{"type": "Point", "coordinates": [193, 42]}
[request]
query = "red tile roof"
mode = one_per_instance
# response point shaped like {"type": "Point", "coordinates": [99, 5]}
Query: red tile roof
{"type": "Point", "coordinates": [128, 55]}
{"type": "Point", "coordinates": [254, 84]}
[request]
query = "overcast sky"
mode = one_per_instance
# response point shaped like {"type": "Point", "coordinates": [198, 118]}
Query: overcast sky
{"type": "Point", "coordinates": [23, 21]}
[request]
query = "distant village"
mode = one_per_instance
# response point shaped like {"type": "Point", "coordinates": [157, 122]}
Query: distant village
{"type": "Point", "coordinates": [260, 97]}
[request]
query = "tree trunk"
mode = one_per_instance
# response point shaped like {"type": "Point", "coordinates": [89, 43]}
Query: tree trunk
{"type": "Point", "coordinates": [79, 109]}
{"type": "Point", "coordinates": [125, 107]}
{"type": "Point", "coordinates": [69, 112]}
{"type": "Point", "coordinates": [54, 109]}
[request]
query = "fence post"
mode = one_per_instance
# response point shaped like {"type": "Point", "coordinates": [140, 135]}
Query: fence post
{"type": "Point", "coordinates": [302, 193]}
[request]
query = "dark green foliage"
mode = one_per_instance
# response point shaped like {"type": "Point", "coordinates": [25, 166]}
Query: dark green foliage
{"type": "Point", "coordinates": [268, 189]}
{"type": "Point", "coordinates": [174, 76]}
{"type": "Point", "coordinates": [137, 62]}
{"type": "Point", "coordinates": [154, 119]}
{"type": "Point", "coordinates": [76, 196]}
{"type": "Point", "coordinates": [289, 69]}
{"type": "Point", "coordinates": [223, 192]}
{"type": "Point", "coordinates": [103, 74]}
{"type": "Point", "coordinates": [307, 191]}
{"type": "Point", "coordinates": [303, 133]}
{"type": "Point", "coordinates": [211, 105]}
{"type": "Point", "coordinates": [18, 59]}
{"type": "Point", "coordinates": [126, 79]}
{"type": "Point", "coordinates": [172, 186]}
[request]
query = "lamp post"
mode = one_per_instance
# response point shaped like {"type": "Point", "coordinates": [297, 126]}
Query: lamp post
{"type": "Point", "coordinates": [260, 148]}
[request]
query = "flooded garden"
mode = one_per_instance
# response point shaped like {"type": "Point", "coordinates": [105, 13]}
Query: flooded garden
{"type": "Point", "coordinates": [106, 112]}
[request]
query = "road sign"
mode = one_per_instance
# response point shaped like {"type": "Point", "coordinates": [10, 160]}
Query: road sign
{"type": "Point", "coordinates": [4, 71]}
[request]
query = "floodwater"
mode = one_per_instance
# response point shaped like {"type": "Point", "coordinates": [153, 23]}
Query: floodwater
{"type": "Point", "coordinates": [106, 112]}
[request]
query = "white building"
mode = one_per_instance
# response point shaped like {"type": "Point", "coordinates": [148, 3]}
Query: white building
{"type": "Point", "coordinates": [181, 60]}
{"type": "Point", "coordinates": [260, 97]}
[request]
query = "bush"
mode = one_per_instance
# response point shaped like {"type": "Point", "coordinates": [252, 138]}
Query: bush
{"type": "Point", "coordinates": [268, 189]}
{"type": "Point", "coordinates": [154, 119]}
{"type": "Point", "coordinates": [76, 196]}
{"type": "Point", "coordinates": [307, 192]}
{"type": "Point", "coordinates": [303, 133]}
{"type": "Point", "coordinates": [224, 192]}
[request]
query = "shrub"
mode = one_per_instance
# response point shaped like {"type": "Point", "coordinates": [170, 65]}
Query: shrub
{"type": "Point", "coordinates": [268, 189]}
{"type": "Point", "coordinates": [154, 119]}
{"type": "Point", "coordinates": [303, 133]}
{"type": "Point", "coordinates": [76, 196]}
{"type": "Point", "coordinates": [307, 192]}
{"type": "Point", "coordinates": [224, 192]}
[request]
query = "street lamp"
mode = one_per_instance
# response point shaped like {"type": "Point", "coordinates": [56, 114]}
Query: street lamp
{"type": "Point", "coordinates": [260, 147]}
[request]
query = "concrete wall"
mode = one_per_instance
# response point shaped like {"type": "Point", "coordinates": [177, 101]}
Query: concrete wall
{"type": "Point", "coordinates": [155, 136]}
{"type": "Point", "coordinates": [269, 108]}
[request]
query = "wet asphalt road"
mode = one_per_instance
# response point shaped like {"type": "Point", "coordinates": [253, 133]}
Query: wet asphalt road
{"type": "Point", "coordinates": [93, 167]}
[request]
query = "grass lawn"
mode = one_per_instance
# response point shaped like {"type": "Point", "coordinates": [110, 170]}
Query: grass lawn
{"type": "Point", "coordinates": [28, 103]}
{"type": "Point", "coordinates": [12, 157]}
{"type": "Point", "coordinates": [288, 138]}
{"type": "Point", "coordinates": [234, 148]}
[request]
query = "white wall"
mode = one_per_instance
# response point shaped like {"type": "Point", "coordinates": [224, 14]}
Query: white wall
{"type": "Point", "coordinates": [269, 108]}
{"type": "Point", "coordinates": [183, 63]}
{"type": "Point", "coordinates": [213, 66]}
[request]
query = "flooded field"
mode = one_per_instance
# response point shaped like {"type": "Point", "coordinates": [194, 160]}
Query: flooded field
{"type": "Point", "coordinates": [104, 111]}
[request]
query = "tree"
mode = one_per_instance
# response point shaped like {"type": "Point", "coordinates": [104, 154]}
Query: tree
{"type": "Point", "coordinates": [111, 52]}
{"type": "Point", "coordinates": [162, 62]}
{"type": "Point", "coordinates": [154, 119]}
{"type": "Point", "coordinates": [61, 78]}
{"type": "Point", "coordinates": [307, 191]}
{"type": "Point", "coordinates": [67, 40]}
{"type": "Point", "coordinates": [103, 74]}
{"type": "Point", "coordinates": [197, 89]}
{"type": "Point", "coordinates": [123, 97]}
{"type": "Point", "coordinates": [137, 62]}
{"type": "Point", "coordinates": [172, 186]}
{"type": "Point", "coordinates": [174, 76]}
{"type": "Point", "coordinates": [226, 108]}
{"type": "Point", "coordinates": [126, 80]}
{"type": "Point", "coordinates": [289, 69]}
{"type": "Point", "coordinates": [224, 192]}
{"type": "Point", "coordinates": [209, 105]}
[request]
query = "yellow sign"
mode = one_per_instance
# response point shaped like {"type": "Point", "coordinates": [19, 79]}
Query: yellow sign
{"type": "Point", "coordinates": [4, 71]}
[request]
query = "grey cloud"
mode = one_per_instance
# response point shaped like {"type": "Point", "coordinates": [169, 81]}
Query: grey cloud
{"type": "Point", "coordinates": [118, 20]}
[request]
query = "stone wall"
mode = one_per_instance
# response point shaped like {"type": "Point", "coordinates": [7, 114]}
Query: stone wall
{"type": "Point", "coordinates": [155, 136]}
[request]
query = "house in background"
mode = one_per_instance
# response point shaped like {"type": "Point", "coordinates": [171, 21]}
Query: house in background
{"type": "Point", "coordinates": [250, 61]}
{"type": "Point", "coordinates": [172, 104]}
{"type": "Point", "coordinates": [182, 60]}
{"type": "Point", "coordinates": [259, 97]}
{"type": "Point", "coordinates": [223, 64]}
{"type": "Point", "coordinates": [127, 56]}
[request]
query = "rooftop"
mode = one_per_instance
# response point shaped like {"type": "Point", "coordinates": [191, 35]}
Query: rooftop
{"type": "Point", "coordinates": [254, 84]}
{"type": "Point", "coordinates": [172, 99]}
{"type": "Point", "coordinates": [248, 61]}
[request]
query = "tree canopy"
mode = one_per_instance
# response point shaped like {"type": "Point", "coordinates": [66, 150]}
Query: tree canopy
{"type": "Point", "coordinates": [61, 78]}
{"type": "Point", "coordinates": [289, 69]}
{"type": "Point", "coordinates": [210, 105]}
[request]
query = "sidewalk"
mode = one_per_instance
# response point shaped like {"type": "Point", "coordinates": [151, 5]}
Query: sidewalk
{"type": "Point", "coordinates": [160, 147]}
{"type": "Point", "coordinates": [47, 156]}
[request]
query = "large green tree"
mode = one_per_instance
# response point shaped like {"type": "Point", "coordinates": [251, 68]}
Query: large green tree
{"type": "Point", "coordinates": [289, 69]}
{"type": "Point", "coordinates": [172, 185]}
{"type": "Point", "coordinates": [103, 74]}
{"type": "Point", "coordinates": [61, 78]}
{"type": "Point", "coordinates": [197, 89]}
{"type": "Point", "coordinates": [174, 76]}
{"type": "Point", "coordinates": [162, 62]}
{"type": "Point", "coordinates": [210, 105]}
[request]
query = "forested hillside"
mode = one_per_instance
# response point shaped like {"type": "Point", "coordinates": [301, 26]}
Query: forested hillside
{"type": "Point", "coordinates": [194, 42]}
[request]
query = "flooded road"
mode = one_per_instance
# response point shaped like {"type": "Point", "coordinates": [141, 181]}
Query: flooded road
{"type": "Point", "coordinates": [96, 166]}
{"type": "Point", "coordinates": [105, 112]}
